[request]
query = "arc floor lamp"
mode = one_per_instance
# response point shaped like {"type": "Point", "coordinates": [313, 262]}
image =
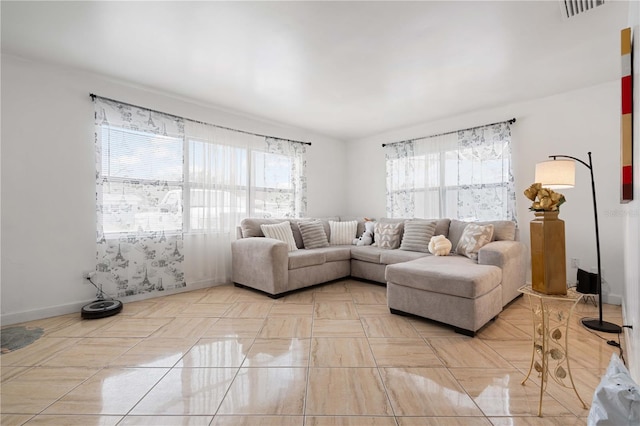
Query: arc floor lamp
{"type": "Point", "coordinates": [557, 174]}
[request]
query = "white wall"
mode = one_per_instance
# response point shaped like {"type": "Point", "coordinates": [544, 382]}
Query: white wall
{"type": "Point", "coordinates": [571, 123]}
{"type": "Point", "coordinates": [48, 179]}
{"type": "Point", "coordinates": [631, 214]}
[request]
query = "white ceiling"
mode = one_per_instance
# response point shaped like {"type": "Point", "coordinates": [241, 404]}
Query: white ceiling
{"type": "Point", "coordinates": [344, 69]}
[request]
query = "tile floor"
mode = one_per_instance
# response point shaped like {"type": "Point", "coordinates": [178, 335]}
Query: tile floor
{"type": "Point", "coordinates": [330, 355]}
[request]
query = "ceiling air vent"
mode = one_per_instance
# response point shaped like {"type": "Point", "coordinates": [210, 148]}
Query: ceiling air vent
{"type": "Point", "coordinates": [571, 8]}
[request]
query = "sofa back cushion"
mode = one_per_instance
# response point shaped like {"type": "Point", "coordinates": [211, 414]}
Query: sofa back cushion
{"type": "Point", "coordinates": [325, 224]}
{"type": "Point", "coordinates": [251, 228]}
{"type": "Point", "coordinates": [473, 238]}
{"type": "Point", "coordinates": [456, 228]}
{"type": "Point", "coordinates": [503, 230]}
{"type": "Point", "coordinates": [442, 225]}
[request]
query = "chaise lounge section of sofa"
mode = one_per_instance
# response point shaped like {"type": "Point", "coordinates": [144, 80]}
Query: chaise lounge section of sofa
{"type": "Point", "coordinates": [456, 290]}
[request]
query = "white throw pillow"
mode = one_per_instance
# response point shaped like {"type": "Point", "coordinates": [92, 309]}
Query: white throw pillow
{"type": "Point", "coordinates": [473, 238]}
{"type": "Point", "coordinates": [280, 231]}
{"type": "Point", "coordinates": [387, 235]}
{"type": "Point", "coordinates": [342, 232]}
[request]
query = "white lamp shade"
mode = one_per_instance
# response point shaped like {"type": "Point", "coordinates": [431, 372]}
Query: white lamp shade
{"type": "Point", "coordinates": [556, 174]}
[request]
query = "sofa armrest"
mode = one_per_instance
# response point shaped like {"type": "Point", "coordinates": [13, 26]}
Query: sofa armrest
{"type": "Point", "coordinates": [260, 263]}
{"type": "Point", "coordinates": [511, 257]}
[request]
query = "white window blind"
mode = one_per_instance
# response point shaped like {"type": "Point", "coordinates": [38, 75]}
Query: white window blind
{"type": "Point", "coordinates": [142, 181]}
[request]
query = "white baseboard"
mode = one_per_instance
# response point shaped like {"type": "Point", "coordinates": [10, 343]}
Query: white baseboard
{"type": "Point", "coordinates": [75, 307]}
{"type": "Point", "coordinates": [36, 314]}
{"type": "Point", "coordinates": [193, 286]}
{"type": "Point", "coordinates": [633, 362]}
{"type": "Point", "coordinates": [612, 299]}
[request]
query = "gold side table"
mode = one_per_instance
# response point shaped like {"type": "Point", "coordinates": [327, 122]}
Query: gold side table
{"type": "Point", "coordinates": [550, 356]}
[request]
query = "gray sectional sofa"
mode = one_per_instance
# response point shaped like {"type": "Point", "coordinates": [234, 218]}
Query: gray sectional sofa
{"type": "Point", "coordinates": [456, 290]}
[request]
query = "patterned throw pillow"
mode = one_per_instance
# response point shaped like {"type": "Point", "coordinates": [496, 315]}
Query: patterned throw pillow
{"type": "Point", "coordinates": [313, 234]}
{"type": "Point", "coordinates": [387, 235]}
{"type": "Point", "coordinates": [473, 238]}
{"type": "Point", "coordinates": [280, 231]}
{"type": "Point", "coordinates": [342, 232]}
{"type": "Point", "coordinates": [417, 235]}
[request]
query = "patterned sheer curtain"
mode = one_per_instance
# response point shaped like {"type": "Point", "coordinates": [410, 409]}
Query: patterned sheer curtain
{"type": "Point", "coordinates": [139, 176]}
{"type": "Point", "coordinates": [485, 176]}
{"type": "Point", "coordinates": [401, 179]}
{"type": "Point", "coordinates": [465, 175]}
{"type": "Point", "coordinates": [280, 179]}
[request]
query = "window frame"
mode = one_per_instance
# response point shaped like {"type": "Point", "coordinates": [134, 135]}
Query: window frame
{"type": "Point", "coordinates": [443, 190]}
{"type": "Point", "coordinates": [187, 184]}
{"type": "Point", "coordinates": [249, 188]}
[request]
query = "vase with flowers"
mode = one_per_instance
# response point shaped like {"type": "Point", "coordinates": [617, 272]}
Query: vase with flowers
{"type": "Point", "coordinates": [548, 257]}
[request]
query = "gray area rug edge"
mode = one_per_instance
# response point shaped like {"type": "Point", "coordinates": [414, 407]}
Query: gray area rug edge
{"type": "Point", "coordinates": [17, 337]}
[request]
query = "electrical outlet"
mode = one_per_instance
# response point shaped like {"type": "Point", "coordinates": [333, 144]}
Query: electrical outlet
{"type": "Point", "coordinates": [575, 263]}
{"type": "Point", "coordinates": [88, 275]}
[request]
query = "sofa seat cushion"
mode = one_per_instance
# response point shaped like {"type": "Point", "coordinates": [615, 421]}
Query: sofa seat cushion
{"type": "Point", "coordinates": [453, 275]}
{"type": "Point", "coordinates": [335, 253]}
{"type": "Point", "coordinates": [303, 258]}
{"type": "Point", "coordinates": [389, 257]}
{"type": "Point", "coordinates": [367, 253]}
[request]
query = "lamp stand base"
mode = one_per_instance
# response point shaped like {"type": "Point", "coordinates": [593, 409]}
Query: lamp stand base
{"type": "Point", "coordinates": [599, 325]}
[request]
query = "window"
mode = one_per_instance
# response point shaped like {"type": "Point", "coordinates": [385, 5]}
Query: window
{"type": "Point", "coordinates": [271, 181]}
{"type": "Point", "coordinates": [228, 183]}
{"type": "Point", "coordinates": [141, 181]}
{"type": "Point", "coordinates": [464, 175]}
{"type": "Point", "coordinates": [170, 193]}
{"type": "Point", "coordinates": [216, 194]}
{"type": "Point", "coordinates": [143, 188]}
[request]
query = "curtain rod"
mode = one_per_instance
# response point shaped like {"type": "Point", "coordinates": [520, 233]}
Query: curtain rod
{"type": "Point", "coordinates": [511, 121]}
{"type": "Point", "coordinates": [93, 97]}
